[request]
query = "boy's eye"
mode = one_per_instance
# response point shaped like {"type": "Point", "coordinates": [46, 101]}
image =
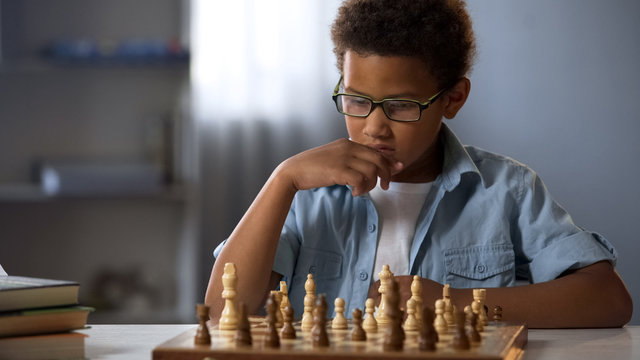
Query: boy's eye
{"type": "Point", "coordinates": [395, 106]}
{"type": "Point", "coordinates": [356, 101]}
{"type": "Point", "coordinates": [355, 104]}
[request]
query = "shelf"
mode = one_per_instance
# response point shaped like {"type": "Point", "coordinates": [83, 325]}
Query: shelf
{"type": "Point", "coordinates": [37, 65]}
{"type": "Point", "coordinates": [33, 193]}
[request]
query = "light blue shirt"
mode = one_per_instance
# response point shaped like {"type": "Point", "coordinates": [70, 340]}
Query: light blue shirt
{"type": "Point", "coordinates": [486, 218]}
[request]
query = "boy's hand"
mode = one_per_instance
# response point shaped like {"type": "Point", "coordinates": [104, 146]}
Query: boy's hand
{"type": "Point", "coordinates": [341, 162]}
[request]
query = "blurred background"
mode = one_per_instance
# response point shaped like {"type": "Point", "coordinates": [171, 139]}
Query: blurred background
{"type": "Point", "coordinates": [133, 135]}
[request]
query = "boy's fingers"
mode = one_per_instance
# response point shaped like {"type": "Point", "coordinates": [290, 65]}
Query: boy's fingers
{"type": "Point", "coordinates": [359, 182]}
{"type": "Point", "coordinates": [384, 181]}
{"type": "Point", "coordinates": [387, 166]}
{"type": "Point", "coordinates": [397, 167]}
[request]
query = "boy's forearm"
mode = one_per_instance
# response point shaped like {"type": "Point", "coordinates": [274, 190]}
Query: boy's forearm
{"type": "Point", "coordinates": [593, 296]}
{"type": "Point", "coordinates": [252, 246]}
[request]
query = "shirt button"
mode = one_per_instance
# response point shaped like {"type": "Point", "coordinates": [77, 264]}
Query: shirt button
{"type": "Point", "coordinates": [363, 275]}
{"type": "Point", "coordinates": [312, 269]}
{"type": "Point", "coordinates": [480, 268]}
{"type": "Point", "coordinates": [371, 227]}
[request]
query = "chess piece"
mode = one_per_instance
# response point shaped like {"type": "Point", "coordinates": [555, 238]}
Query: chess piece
{"type": "Point", "coordinates": [467, 309]}
{"type": "Point", "coordinates": [448, 306]}
{"type": "Point", "coordinates": [475, 307]}
{"type": "Point", "coordinates": [339, 321]}
{"type": "Point", "coordinates": [229, 316]}
{"type": "Point", "coordinates": [460, 340]}
{"type": "Point", "coordinates": [285, 297]}
{"type": "Point", "coordinates": [483, 300]}
{"type": "Point", "coordinates": [497, 313]}
{"type": "Point", "coordinates": [416, 295]}
{"type": "Point", "coordinates": [357, 333]}
{"type": "Point", "coordinates": [288, 331]}
{"type": "Point", "coordinates": [243, 332]}
{"type": "Point", "coordinates": [411, 323]}
{"type": "Point", "coordinates": [386, 276]}
{"type": "Point", "coordinates": [370, 325]}
{"type": "Point", "coordinates": [480, 295]}
{"type": "Point", "coordinates": [319, 331]}
{"type": "Point", "coordinates": [428, 335]}
{"type": "Point", "coordinates": [440, 323]}
{"type": "Point", "coordinates": [279, 318]}
{"type": "Point", "coordinates": [203, 337]}
{"type": "Point", "coordinates": [309, 301]}
{"type": "Point", "coordinates": [271, 339]}
{"type": "Point", "coordinates": [394, 334]}
{"type": "Point", "coordinates": [472, 329]}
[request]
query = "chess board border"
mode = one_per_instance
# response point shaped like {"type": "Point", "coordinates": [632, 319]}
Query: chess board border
{"type": "Point", "coordinates": [509, 344]}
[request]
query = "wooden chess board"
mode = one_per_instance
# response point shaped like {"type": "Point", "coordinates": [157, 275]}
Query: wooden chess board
{"type": "Point", "coordinates": [499, 342]}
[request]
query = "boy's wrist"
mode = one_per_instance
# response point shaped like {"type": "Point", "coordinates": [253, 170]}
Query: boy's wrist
{"type": "Point", "coordinates": [281, 177]}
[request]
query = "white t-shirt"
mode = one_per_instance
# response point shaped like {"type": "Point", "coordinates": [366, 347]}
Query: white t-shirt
{"type": "Point", "coordinates": [398, 209]}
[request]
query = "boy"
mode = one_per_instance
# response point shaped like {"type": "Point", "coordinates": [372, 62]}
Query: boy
{"type": "Point", "coordinates": [403, 191]}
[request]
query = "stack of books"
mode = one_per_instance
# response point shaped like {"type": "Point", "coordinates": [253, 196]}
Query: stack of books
{"type": "Point", "coordinates": [37, 317]}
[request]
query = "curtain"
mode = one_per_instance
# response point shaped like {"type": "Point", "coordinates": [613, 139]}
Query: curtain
{"type": "Point", "coordinates": [261, 82]}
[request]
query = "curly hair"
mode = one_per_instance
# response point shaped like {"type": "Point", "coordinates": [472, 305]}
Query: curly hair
{"type": "Point", "coordinates": [438, 32]}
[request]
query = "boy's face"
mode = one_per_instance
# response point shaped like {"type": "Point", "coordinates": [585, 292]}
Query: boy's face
{"type": "Point", "coordinates": [415, 144]}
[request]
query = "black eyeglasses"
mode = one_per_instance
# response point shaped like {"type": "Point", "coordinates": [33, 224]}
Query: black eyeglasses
{"type": "Point", "coordinates": [404, 110]}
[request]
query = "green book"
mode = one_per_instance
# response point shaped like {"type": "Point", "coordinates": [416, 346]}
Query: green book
{"type": "Point", "coordinates": [20, 293]}
{"type": "Point", "coordinates": [43, 321]}
{"type": "Point", "coordinates": [68, 345]}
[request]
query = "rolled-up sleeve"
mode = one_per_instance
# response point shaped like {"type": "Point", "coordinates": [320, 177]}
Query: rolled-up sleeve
{"type": "Point", "coordinates": [550, 240]}
{"type": "Point", "coordinates": [218, 249]}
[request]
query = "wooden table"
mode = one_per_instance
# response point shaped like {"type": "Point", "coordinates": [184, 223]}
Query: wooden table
{"type": "Point", "coordinates": [137, 341]}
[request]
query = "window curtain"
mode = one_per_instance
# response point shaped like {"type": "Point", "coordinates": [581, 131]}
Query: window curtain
{"type": "Point", "coordinates": [262, 73]}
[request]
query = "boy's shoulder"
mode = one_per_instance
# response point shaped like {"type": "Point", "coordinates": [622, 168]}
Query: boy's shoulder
{"type": "Point", "coordinates": [494, 167]}
{"type": "Point", "coordinates": [480, 156]}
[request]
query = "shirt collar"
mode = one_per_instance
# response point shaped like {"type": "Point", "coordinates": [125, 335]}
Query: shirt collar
{"type": "Point", "coordinates": [457, 160]}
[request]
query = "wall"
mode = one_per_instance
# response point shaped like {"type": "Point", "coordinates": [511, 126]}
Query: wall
{"type": "Point", "coordinates": [556, 87]}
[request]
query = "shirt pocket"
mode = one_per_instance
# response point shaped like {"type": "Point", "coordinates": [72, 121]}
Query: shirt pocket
{"type": "Point", "coordinates": [480, 266]}
{"type": "Point", "coordinates": [322, 264]}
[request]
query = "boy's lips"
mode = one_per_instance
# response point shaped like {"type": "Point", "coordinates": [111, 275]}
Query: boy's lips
{"type": "Point", "coordinates": [385, 149]}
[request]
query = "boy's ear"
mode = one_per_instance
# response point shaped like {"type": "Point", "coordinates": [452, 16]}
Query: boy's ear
{"type": "Point", "coordinates": [455, 97]}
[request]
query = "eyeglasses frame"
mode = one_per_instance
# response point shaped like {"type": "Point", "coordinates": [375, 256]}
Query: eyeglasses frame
{"type": "Point", "coordinates": [376, 103]}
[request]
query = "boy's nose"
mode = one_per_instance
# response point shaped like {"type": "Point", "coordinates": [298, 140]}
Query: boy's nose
{"type": "Point", "coordinates": [377, 124]}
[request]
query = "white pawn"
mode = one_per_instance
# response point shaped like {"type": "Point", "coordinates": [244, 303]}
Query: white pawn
{"type": "Point", "coordinates": [285, 298]}
{"type": "Point", "coordinates": [416, 295]}
{"type": "Point", "coordinates": [279, 315]}
{"type": "Point", "coordinates": [309, 303]}
{"type": "Point", "coordinates": [339, 322]}
{"type": "Point", "coordinates": [386, 277]}
{"type": "Point", "coordinates": [440, 323]}
{"type": "Point", "coordinates": [475, 307]}
{"type": "Point", "coordinates": [229, 316]}
{"type": "Point", "coordinates": [482, 298]}
{"type": "Point", "coordinates": [370, 325]}
{"type": "Point", "coordinates": [469, 309]}
{"type": "Point", "coordinates": [448, 306]}
{"type": "Point", "coordinates": [411, 323]}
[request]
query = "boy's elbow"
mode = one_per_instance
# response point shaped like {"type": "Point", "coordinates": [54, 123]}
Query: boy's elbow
{"type": "Point", "coordinates": [620, 302]}
{"type": "Point", "coordinates": [607, 298]}
{"type": "Point", "coordinates": [623, 305]}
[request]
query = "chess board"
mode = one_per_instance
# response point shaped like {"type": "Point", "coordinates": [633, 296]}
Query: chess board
{"type": "Point", "coordinates": [499, 342]}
